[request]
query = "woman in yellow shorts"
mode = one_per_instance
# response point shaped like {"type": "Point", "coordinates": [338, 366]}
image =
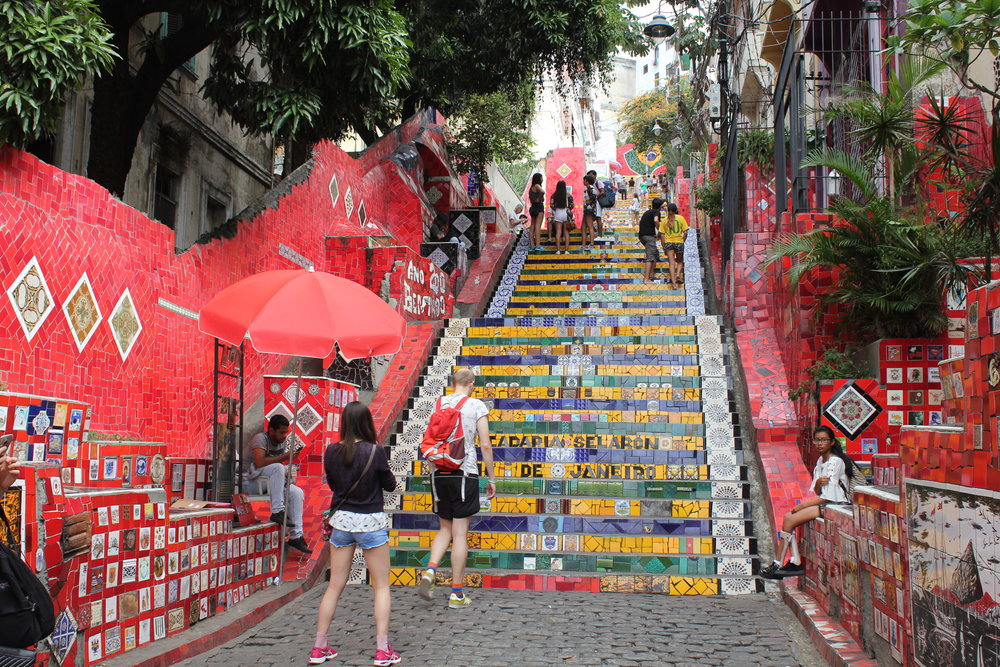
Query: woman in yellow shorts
{"type": "Point", "coordinates": [673, 228]}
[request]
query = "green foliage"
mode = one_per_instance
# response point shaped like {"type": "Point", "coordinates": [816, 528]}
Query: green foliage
{"type": "Point", "coordinates": [955, 33]}
{"type": "Point", "coordinates": [518, 173]}
{"type": "Point", "coordinates": [332, 66]}
{"type": "Point", "coordinates": [892, 269]}
{"type": "Point", "coordinates": [48, 48]}
{"type": "Point", "coordinates": [757, 146]}
{"type": "Point", "coordinates": [708, 198]}
{"type": "Point", "coordinates": [662, 106]}
{"type": "Point", "coordinates": [492, 128]}
{"type": "Point", "coordinates": [832, 365]}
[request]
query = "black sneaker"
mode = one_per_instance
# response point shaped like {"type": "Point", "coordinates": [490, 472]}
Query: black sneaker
{"type": "Point", "coordinates": [279, 518]}
{"type": "Point", "coordinates": [770, 571]}
{"type": "Point", "coordinates": [300, 544]}
{"type": "Point", "coordinates": [790, 569]}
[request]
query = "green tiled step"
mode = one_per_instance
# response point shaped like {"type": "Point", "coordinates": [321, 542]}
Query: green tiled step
{"type": "Point", "coordinates": [582, 488]}
{"type": "Point", "coordinates": [704, 565]}
{"type": "Point", "coordinates": [598, 546]}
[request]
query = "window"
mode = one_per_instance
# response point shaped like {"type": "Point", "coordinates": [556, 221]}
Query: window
{"type": "Point", "coordinates": [166, 190]}
{"type": "Point", "coordinates": [656, 55]}
{"type": "Point", "coordinates": [170, 24]}
{"type": "Point", "coordinates": [216, 213]}
{"type": "Point", "coordinates": [645, 68]}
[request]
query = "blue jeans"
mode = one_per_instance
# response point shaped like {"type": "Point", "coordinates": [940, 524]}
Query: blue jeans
{"type": "Point", "coordinates": [369, 540]}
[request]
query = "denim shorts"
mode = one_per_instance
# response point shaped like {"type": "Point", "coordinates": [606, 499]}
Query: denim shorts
{"type": "Point", "coordinates": [369, 540]}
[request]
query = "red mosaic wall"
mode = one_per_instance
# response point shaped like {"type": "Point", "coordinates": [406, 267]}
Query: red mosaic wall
{"type": "Point", "coordinates": [575, 169]}
{"type": "Point", "coordinates": [68, 227]}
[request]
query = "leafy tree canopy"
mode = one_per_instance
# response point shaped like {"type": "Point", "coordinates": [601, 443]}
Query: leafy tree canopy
{"type": "Point", "coordinates": [492, 128]}
{"type": "Point", "coordinates": [48, 48]}
{"type": "Point", "coordinates": [660, 106]}
{"type": "Point", "coordinates": [306, 69]}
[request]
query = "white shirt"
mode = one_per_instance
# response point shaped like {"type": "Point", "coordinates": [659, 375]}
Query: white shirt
{"type": "Point", "coordinates": [472, 411]}
{"type": "Point", "coordinates": [833, 468]}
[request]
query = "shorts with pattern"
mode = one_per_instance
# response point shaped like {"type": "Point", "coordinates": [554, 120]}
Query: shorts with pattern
{"type": "Point", "coordinates": [676, 247]}
{"type": "Point", "coordinates": [649, 243]}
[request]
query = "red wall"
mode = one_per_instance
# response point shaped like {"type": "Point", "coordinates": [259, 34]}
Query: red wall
{"type": "Point", "coordinates": [162, 390]}
{"type": "Point", "coordinates": [576, 169]}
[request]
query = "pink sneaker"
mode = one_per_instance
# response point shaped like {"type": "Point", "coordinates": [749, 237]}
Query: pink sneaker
{"type": "Point", "coordinates": [386, 658]}
{"type": "Point", "coordinates": [320, 655]}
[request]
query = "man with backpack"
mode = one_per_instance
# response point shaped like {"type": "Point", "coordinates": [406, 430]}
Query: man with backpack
{"type": "Point", "coordinates": [602, 201]}
{"type": "Point", "coordinates": [449, 448]}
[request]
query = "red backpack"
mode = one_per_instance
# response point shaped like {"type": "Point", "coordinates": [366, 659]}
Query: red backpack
{"type": "Point", "coordinates": [444, 440]}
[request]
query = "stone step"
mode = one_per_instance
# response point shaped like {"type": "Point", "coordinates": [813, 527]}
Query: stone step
{"type": "Point", "coordinates": [649, 545]}
{"type": "Point", "coordinates": [592, 506]}
{"type": "Point", "coordinates": [570, 562]}
{"type": "Point", "coordinates": [604, 489]}
{"type": "Point", "coordinates": [603, 583]}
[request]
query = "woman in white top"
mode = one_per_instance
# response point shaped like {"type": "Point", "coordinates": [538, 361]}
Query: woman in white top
{"type": "Point", "coordinates": [636, 208]}
{"type": "Point", "coordinates": [831, 484]}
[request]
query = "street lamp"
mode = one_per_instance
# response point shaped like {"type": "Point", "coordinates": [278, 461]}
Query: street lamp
{"type": "Point", "coordinates": [656, 127]}
{"type": "Point", "coordinates": [658, 29]}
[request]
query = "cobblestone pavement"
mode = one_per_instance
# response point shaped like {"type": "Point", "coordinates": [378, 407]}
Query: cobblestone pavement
{"type": "Point", "coordinates": [536, 629]}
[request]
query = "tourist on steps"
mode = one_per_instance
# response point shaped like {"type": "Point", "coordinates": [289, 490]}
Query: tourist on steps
{"type": "Point", "coordinates": [674, 228]}
{"type": "Point", "coordinates": [831, 484]}
{"type": "Point", "coordinates": [456, 494]}
{"type": "Point", "coordinates": [562, 217]}
{"type": "Point", "coordinates": [357, 471]}
{"type": "Point", "coordinates": [536, 196]}
{"type": "Point", "coordinates": [635, 208]}
{"type": "Point", "coordinates": [598, 209]}
{"type": "Point", "coordinates": [269, 454]}
{"type": "Point", "coordinates": [590, 211]}
{"type": "Point", "coordinates": [649, 234]}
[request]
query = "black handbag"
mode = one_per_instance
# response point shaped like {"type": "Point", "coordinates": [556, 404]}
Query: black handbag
{"type": "Point", "coordinates": [27, 615]}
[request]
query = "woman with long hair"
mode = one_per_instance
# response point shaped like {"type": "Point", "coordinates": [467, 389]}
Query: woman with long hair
{"type": "Point", "coordinates": [357, 471]}
{"type": "Point", "coordinates": [590, 208]}
{"type": "Point", "coordinates": [562, 216]}
{"type": "Point", "coordinates": [636, 208]}
{"type": "Point", "coordinates": [536, 196]}
{"type": "Point", "coordinates": [831, 484]}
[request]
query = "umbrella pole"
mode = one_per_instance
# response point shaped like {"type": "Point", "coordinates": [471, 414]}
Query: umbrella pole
{"type": "Point", "coordinates": [288, 476]}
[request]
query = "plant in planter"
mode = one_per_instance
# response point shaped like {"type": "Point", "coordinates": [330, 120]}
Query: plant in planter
{"type": "Point", "coordinates": [708, 198]}
{"type": "Point", "coordinates": [832, 365]}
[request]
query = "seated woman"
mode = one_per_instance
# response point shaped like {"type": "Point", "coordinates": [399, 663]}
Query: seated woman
{"type": "Point", "coordinates": [831, 484]}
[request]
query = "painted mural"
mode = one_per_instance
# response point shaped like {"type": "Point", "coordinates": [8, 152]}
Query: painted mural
{"type": "Point", "coordinates": [954, 556]}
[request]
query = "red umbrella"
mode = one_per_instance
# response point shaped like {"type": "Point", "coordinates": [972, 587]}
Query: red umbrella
{"type": "Point", "coordinates": [303, 313]}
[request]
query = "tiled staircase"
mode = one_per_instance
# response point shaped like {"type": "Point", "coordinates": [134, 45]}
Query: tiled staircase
{"type": "Point", "coordinates": [619, 466]}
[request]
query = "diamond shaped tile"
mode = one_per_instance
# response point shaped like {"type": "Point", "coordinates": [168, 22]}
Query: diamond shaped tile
{"type": "Point", "coordinates": [334, 191]}
{"type": "Point", "coordinates": [439, 257]}
{"type": "Point", "coordinates": [433, 194]}
{"type": "Point", "coordinates": [851, 410]}
{"type": "Point", "coordinates": [564, 170]}
{"type": "Point", "coordinates": [82, 312]}
{"type": "Point", "coordinates": [308, 419]}
{"type": "Point", "coordinates": [362, 214]}
{"type": "Point", "coordinates": [280, 409]}
{"type": "Point", "coordinates": [125, 324]}
{"type": "Point", "coordinates": [31, 298]}
{"type": "Point", "coordinates": [349, 202]}
{"type": "Point", "coordinates": [461, 222]}
{"type": "Point", "coordinates": [293, 395]}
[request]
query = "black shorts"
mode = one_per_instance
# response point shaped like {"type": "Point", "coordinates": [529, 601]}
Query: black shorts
{"type": "Point", "coordinates": [536, 209]}
{"type": "Point", "coordinates": [448, 489]}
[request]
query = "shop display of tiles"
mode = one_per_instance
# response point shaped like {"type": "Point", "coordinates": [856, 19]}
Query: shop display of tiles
{"type": "Point", "coordinates": [617, 459]}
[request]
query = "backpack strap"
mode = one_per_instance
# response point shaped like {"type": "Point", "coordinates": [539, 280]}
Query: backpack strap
{"type": "Point", "coordinates": [461, 402]}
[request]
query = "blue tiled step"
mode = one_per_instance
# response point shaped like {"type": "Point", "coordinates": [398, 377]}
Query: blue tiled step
{"type": "Point", "coordinates": [583, 525]}
{"type": "Point", "coordinates": [593, 404]}
{"type": "Point", "coordinates": [585, 321]}
{"type": "Point", "coordinates": [610, 456]}
{"type": "Point", "coordinates": [579, 359]}
{"type": "Point", "coordinates": [608, 489]}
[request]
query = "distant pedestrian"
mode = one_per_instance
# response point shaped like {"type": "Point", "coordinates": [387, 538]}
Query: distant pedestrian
{"type": "Point", "coordinates": [649, 233]}
{"type": "Point", "coordinates": [636, 209]}
{"type": "Point", "coordinates": [674, 228]}
{"type": "Point", "coordinates": [631, 185]}
{"type": "Point", "coordinates": [357, 471]}
{"type": "Point", "coordinates": [590, 210]}
{"type": "Point", "coordinates": [562, 216]}
{"type": "Point", "coordinates": [598, 209]}
{"type": "Point", "coordinates": [536, 196]}
{"type": "Point", "coordinates": [456, 493]}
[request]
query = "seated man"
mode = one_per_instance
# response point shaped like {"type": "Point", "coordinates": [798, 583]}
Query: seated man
{"type": "Point", "coordinates": [269, 455]}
